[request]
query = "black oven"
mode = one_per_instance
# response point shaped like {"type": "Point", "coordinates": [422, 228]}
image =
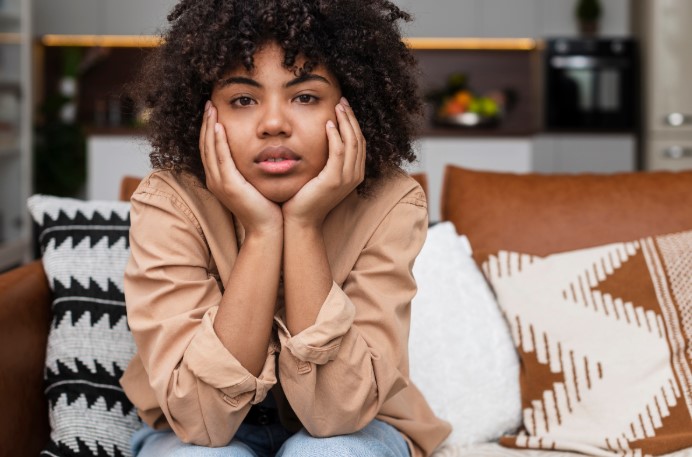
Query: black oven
{"type": "Point", "coordinates": [591, 84]}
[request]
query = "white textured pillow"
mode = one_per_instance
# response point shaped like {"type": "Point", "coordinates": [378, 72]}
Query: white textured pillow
{"type": "Point", "coordinates": [461, 352]}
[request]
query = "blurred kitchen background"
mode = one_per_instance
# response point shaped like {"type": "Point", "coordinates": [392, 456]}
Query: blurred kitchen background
{"type": "Point", "coordinates": [553, 86]}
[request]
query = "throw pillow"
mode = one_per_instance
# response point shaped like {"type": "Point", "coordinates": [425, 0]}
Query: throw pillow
{"type": "Point", "coordinates": [542, 214]}
{"type": "Point", "coordinates": [603, 334]}
{"type": "Point", "coordinates": [85, 246]}
{"type": "Point", "coordinates": [460, 350]}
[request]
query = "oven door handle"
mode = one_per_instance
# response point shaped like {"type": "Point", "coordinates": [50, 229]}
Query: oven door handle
{"type": "Point", "coordinates": [677, 152]}
{"type": "Point", "coordinates": [678, 119]}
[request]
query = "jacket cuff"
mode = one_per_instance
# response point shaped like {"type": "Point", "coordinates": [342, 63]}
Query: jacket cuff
{"type": "Point", "coordinates": [320, 342]}
{"type": "Point", "coordinates": [212, 363]}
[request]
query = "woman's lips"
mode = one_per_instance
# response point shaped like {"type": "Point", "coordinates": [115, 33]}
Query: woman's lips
{"type": "Point", "coordinates": [277, 160]}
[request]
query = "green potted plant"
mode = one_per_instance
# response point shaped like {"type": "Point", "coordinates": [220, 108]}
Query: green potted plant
{"type": "Point", "coordinates": [588, 14]}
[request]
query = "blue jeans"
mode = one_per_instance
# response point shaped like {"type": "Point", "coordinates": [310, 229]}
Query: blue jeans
{"type": "Point", "coordinates": [377, 439]}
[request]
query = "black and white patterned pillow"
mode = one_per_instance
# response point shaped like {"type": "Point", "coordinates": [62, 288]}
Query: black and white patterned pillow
{"type": "Point", "coordinates": [85, 246]}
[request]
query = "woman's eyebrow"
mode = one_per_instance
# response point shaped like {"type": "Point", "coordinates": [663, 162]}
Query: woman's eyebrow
{"type": "Point", "coordinates": [238, 80]}
{"type": "Point", "coordinates": [251, 82]}
{"type": "Point", "coordinates": [306, 77]}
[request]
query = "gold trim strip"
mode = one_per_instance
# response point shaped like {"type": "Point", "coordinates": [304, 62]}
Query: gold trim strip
{"type": "Point", "coordinates": [472, 44]}
{"type": "Point", "coordinates": [148, 41]}
{"type": "Point", "coordinates": [113, 41]}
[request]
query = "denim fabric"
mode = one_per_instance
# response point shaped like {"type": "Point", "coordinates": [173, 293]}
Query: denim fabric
{"type": "Point", "coordinates": [378, 439]}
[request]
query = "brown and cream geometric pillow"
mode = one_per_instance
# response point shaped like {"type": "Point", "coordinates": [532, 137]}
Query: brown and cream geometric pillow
{"type": "Point", "coordinates": [604, 340]}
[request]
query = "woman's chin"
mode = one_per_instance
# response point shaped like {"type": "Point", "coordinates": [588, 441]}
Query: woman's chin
{"type": "Point", "coordinates": [281, 190]}
{"type": "Point", "coordinates": [279, 196]}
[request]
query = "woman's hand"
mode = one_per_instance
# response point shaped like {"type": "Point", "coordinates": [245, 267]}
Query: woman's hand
{"type": "Point", "coordinates": [256, 213]}
{"type": "Point", "coordinates": [345, 169]}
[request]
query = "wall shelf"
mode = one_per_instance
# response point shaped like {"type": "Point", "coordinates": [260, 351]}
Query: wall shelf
{"type": "Point", "coordinates": [461, 44]}
{"type": "Point", "coordinates": [473, 44]}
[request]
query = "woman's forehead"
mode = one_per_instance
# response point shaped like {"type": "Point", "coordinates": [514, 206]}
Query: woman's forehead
{"type": "Point", "coordinates": [269, 63]}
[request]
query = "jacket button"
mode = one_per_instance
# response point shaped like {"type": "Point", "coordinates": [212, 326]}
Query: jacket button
{"type": "Point", "coordinates": [263, 417]}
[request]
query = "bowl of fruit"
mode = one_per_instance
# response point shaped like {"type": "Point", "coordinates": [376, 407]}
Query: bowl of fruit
{"type": "Point", "coordinates": [458, 105]}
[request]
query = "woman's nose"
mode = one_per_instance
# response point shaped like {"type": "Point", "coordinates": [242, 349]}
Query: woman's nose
{"type": "Point", "coordinates": [275, 120]}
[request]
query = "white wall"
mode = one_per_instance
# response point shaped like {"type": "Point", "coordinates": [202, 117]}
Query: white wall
{"type": "Point", "coordinates": [106, 17]}
{"type": "Point", "coordinates": [434, 18]}
{"type": "Point", "coordinates": [109, 159]}
{"type": "Point", "coordinates": [508, 18]}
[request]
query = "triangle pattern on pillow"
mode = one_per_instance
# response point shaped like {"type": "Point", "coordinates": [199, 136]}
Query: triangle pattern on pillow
{"type": "Point", "coordinates": [603, 337]}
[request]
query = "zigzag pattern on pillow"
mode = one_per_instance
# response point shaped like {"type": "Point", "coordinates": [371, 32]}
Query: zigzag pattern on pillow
{"type": "Point", "coordinates": [85, 247]}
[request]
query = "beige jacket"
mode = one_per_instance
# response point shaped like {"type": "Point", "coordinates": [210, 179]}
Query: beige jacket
{"type": "Point", "coordinates": [350, 367]}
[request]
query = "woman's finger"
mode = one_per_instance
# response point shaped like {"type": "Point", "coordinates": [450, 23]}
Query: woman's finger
{"type": "Point", "coordinates": [335, 160]}
{"type": "Point", "coordinates": [352, 119]}
{"type": "Point", "coordinates": [212, 165]}
{"type": "Point", "coordinates": [349, 139]}
{"type": "Point", "coordinates": [227, 168]}
{"type": "Point", "coordinates": [362, 150]}
{"type": "Point", "coordinates": [203, 129]}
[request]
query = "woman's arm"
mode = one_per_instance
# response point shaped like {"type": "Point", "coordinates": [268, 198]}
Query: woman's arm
{"type": "Point", "coordinates": [244, 320]}
{"type": "Point", "coordinates": [207, 355]}
{"type": "Point", "coordinates": [307, 274]}
{"type": "Point", "coordinates": [173, 302]}
{"type": "Point", "coordinates": [338, 372]}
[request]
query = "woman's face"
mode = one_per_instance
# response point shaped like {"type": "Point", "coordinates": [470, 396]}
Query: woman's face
{"type": "Point", "coordinates": [276, 122]}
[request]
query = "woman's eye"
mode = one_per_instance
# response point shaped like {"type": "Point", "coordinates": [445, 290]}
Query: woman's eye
{"type": "Point", "coordinates": [242, 101]}
{"type": "Point", "coordinates": [306, 98]}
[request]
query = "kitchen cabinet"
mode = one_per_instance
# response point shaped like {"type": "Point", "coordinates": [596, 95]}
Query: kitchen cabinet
{"type": "Point", "coordinates": [669, 154]}
{"type": "Point", "coordinates": [584, 153]}
{"type": "Point", "coordinates": [665, 31]}
{"type": "Point", "coordinates": [15, 130]}
{"type": "Point", "coordinates": [669, 66]}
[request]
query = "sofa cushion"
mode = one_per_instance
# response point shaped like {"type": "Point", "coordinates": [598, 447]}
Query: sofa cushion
{"type": "Point", "coordinates": [544, 214]}
{"type": "Point", "coordinates": [603, 334]}
{"type": "Point", "coordinates": [85, 246]}
{"type": "Point", "coordinates": [460, 350]}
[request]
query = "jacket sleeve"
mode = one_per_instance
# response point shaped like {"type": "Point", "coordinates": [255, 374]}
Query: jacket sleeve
{"type": "Point", "coordinates": [172, 300]}
{"type": "Point", "coordinates": [337, 373]}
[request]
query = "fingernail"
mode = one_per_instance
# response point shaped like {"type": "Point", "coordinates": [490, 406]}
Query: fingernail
{"type": "Point", "coordinates": [209, 112]}
{"type": "Point", "coordinates": [330, 124]}
{"type": "Point", "coordinates": [217, 127]}
{"type": "Point", "coordinates": [207, 105]}
{"type": "Point", "coordinates": [340, 107]}
{"type": "Point", "coordinates": [344, 101]}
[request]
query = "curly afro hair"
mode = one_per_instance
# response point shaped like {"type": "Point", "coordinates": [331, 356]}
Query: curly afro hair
{"type": "Point", "coordinates": [357, 40]}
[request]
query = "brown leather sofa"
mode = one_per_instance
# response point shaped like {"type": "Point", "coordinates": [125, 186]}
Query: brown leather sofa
{"type": "Point", "coordinates": [530, 213]}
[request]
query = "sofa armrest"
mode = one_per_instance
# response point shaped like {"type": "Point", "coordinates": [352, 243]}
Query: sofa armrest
{"type": "Point", "coordinates": [25, 312]}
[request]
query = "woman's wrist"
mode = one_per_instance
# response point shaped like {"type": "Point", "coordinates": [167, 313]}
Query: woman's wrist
{"type": "Point", "coordinates": [265, 233]}
{"type": "Point", "coordinates": [303, 225]}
